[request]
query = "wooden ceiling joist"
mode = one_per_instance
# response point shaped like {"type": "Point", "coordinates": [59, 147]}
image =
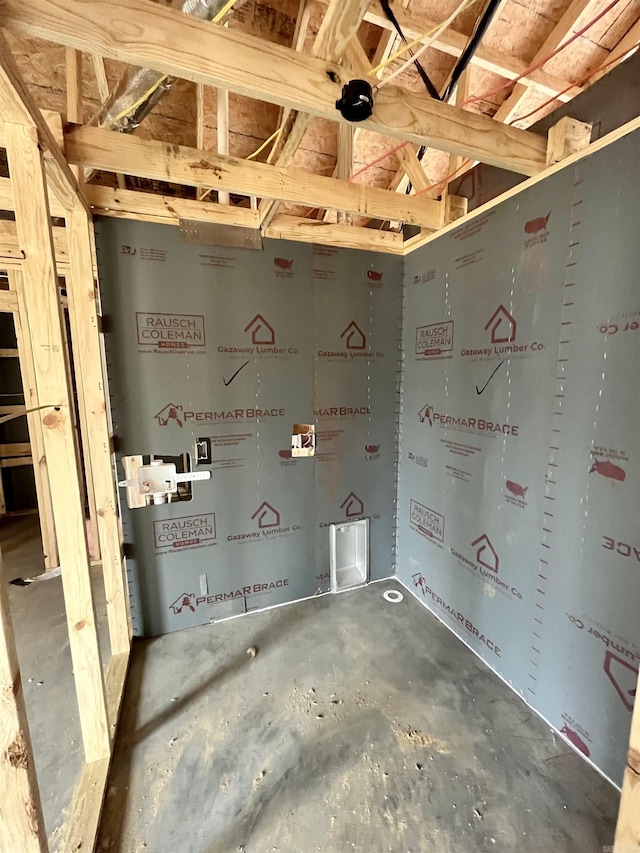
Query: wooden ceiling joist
{"type": "Point", "coordinates": [95, 148]}
{"type": "Point", "coordinates": [168, 41]}
{"type": "Point", "coordinates": [346, 236]}
{"type": "Point", "coordinates": [167, 210]}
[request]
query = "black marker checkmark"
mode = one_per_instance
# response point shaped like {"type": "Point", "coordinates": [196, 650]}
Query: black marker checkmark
{"type": "Point", "coordinates": [480, 390]}
{"type": "Point", "coordinates": [235, 374]}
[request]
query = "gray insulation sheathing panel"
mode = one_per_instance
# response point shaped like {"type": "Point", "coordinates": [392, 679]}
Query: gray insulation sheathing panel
{"type": "Point", "coordinates": [557, 591]}
{"type": "Point", "coordinates": [306, 310]}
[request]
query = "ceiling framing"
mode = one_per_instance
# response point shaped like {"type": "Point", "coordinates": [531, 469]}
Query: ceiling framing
{"type": "Point", "coordinates": [276, 69]}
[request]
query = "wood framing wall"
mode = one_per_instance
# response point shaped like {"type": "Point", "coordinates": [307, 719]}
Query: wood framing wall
{"type": "Point", "coordinates": [38, 173]}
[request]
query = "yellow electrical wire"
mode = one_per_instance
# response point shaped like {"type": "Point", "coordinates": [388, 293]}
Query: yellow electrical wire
{"type": "Point", "coordinates": [135, 105]}
{"type": "Point", "coordinates": [265, 143]}
{"type": "Point", "coordinates": [217, 17]}
{"type": "Point", "coordinates": [402, 50]}
{"type": "Point", "coordinates": [424, 39]}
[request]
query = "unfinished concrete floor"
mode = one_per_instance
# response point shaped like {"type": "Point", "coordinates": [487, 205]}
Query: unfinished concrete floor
{"type": "Point", "coordinates": [359, 725]}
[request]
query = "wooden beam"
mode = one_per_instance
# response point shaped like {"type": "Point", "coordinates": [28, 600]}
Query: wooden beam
{"type": "Point", "coordinates": [18, 106]}
{"type": "Point", "coordinates": [20, 448]}
{"type": "Point", "coordinates": [10, 246]}
{"type": "Point", "coordinates": [324, 233]}
{"type": "Point", "coordinates": [74, 94]}
{"type": "Point", "coordinates": [16, 462]}
{"type": "Point", "coordinates": [344, 166]}
{"type": "Point", "coordinates": [385, 46]}
{"type": "Point", "coordinates": [7, 203]}
{"type": "Point", "coordinates": [21, 819]}
{"type": "Point", "coordinates": [89, 146]}
{"type": "Point", "coordinates": [54, 123]}
{"type": "Point", "coordinates": [199, 115]}
{"type": "Point", "coordinates": [222, 132]}
{"type": "Point", "coordinates": [412, 167]}
{"type": "Point", "coordinates": [86, 807]}
{"type": "Point", "coordinates": [101, 77]}
{"type": "Point", "coordinates": [128, 204]}
{"type": "Point", "coordinates": [414, 23]}
{"type": "Point", "coordinates": [557, 35]}
{"type": "Point", "coordinates": [74, 85]}
{"type": "Point", "coordinates": [8, 302]}
{"type": "Point", "coordinates": [42, 317]}
{"type": "Point", "coordinates": [36, 438]}
{"type": "Point", "coordinates": [177, 44]}
{"type": "Point", "coordinates": [299, 36]}
{"type": "Point", "coordinates": [567, 136]}
{"type": "Point", "coordinates": [93, 402]}
{"type": "Point", "coordinates": [628, 826]}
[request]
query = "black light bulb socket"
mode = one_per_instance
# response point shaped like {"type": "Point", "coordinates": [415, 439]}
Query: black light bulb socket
{"type": "Point", "coordinates": [356, 103]}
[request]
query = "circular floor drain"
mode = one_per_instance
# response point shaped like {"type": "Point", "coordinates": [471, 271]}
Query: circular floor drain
{"type": "Point", "coordinates": [392, 595]}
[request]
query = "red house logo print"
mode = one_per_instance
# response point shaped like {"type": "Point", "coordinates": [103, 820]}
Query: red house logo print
{"type": "Point", "coordinates": [419, 580]}
{"type": "Point", "coordinates": [261, 331]}
{"type": "Point", "coordinates": [171, 412]}
{"type": "Point", "coordinates": [485, 553]}
{"type": "Point", "coordinates": [266, 515]}
{"type": "Point", "coordinates": [426, 414]}
{"type": "Point", "coordinates": [354, 337]}
{"type": "Point", "coordinates": [352, 505]}
{"type": "Point", "coordinates": [181, 602]}
{"type": "Point", "coordinates": [623, 676]}
{"type": "Point", "coordinates": [502, 325]}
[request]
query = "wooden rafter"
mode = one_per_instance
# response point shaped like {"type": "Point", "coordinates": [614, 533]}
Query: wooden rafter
{"type": "Point", "coordinates": [414, 24]}
{"type": "Point", "coordinates": [557, 35]}
{"type": "Point", "coordinates": [168, 41]}
{"type": "Point", "coordinates": [93, 147]}
{"type": "Point", "coordinates": [627, 45]}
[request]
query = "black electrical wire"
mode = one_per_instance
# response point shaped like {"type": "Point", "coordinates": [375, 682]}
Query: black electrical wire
{"type": "Point", "coordinates": [431, 89]}
{"type": "Point", "coordinates": [465, 58]}
{"type": "Point", "coordinates": [472, 45]}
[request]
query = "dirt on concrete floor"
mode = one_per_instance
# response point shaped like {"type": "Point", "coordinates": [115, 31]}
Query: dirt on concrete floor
{"type": "Point", "coordinates": [354, 724]}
